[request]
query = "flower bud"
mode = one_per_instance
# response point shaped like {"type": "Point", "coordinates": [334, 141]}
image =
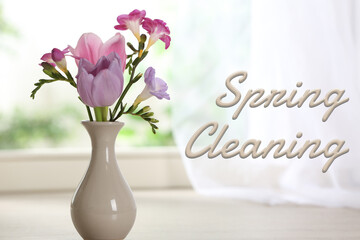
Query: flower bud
{"type": "Point", "coordinates": [143, 38]}
{"type": "Point", "coordinates": [59, 58]}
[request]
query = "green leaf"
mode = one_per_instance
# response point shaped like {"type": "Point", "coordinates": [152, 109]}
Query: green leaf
{"type": "Point", "coordinates": [89, 113]}
{"type": "Point", "coordinates": [154, 126]}
{"type": "Point", "coordinates": [110, 113]}
{"type": "Point", "coordinates": [136, 61]}
{"type": "Point", "coordinates": [143, 110]}
{"type": "Point", "coordinates": [147, 115]}
{"type": "Point", "coordinates": [122, 109]}
{"type": "Point", "coordinates": [153, 120]}
{"type": "Point", "coordinates": [39, 84]}
{"type": "Point", "coordinates": [42, 81]}
{"type": "Point", "coordinates": [147, 108]}
{"type": "Point", "coordinates": [128, 63]}
{"type": "Point", "coordinates": [131, 109]}
{"type": "Point", "coordinates": [137, 78]}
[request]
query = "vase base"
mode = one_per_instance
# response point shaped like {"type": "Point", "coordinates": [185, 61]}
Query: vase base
{"type": "Point", "coordinates": [104, 239]}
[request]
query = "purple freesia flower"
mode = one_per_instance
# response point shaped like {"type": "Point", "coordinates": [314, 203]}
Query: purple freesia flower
{"type": "Point", "coordinates": [154, 87]}
{"type": "Point", "coordinates": [157, 30]}
{"type": "Point", "coordinates": [56, 56]}
{"type": "Point", "coordinates": [131, 21]}
{"type": "Point", "coordinates": [101, 84]}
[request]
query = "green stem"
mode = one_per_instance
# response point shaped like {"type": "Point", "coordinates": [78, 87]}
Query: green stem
{"type": "Point", "coordinates": [101, 113]}
{"type": "Point", "coordinates": [125, 90]}
{"type": "Point", "coordinates": [128, 85]}
{"type": "Point", "coordinates": [104, 112]}
{"type": "Point", "coordinates": [130, 110]}
{"type": "Point", "coordinates": [87, 109]}
{"type": "Point", "coordinates": [98, 114]}
{"type": "Point", "coordinates": [89, 113]}
{"type": "Point", "coordinates": [70, 79]}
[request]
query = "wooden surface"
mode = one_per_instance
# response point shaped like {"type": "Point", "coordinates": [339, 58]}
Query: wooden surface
{"type": "Point", "coordinates": [180, 214]}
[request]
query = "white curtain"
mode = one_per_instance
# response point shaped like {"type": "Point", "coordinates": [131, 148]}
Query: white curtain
{"type": "Point", "coordinates": [279, 43]}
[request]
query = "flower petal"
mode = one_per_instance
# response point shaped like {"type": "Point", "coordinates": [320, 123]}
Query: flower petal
{"type": "Point", "coordinates": [122, 20]}
{"type": "Point", "coordinates": [102, 63]}
{"type": "Point", "coordinates": [154, 86]}
{"type": "Point", "coordinates": [137, 15]}
{"type": "Point", "coordinates": [115, 44]}
{"type": "Point", "coordinates": [106, 88]}
{"type": "Point", "coordinates": [47, 58]}
{"type": "Point", "coordinates": [84, 86]}
{"type": "Point", "coordinates": [149, 75]}
{"type": "Point", "coordinates": [161, 26]}
{"type": "Point", "coordinates": [131, 21]}
{"type": "Point", "coordinates": [157, 29]}
{"type": "Point", "coordinates": [87, 47]}
{"type": "Point", "coordinates": [85, 65]}
{"type": "Point", "coordinates": [160, 89]}
{"type": "Point", "coordinates": [149, 25]}
{"type": "Point", "coordinates": [115, 67]}
{"type": "Point", "coordinates": [66, 50]}
{"type": "Point", "coordinates": [57, 55]}
{"type": "Point", "coordinates": [145, 94]}
{"type": "Point", "coordinates": [166, 39]}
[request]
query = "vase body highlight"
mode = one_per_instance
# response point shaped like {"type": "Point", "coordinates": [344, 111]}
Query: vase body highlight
{"type": "Point", "coordinates": [103, 206]}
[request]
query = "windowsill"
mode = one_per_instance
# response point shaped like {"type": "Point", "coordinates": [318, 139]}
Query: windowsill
{"type": "Point", "coordinates": [181, 214]}
{"type": "Point", "coordinates": [62, 169]}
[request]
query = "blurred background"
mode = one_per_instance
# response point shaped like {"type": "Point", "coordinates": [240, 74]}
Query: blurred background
{"type": "Point", "coordinates": [44, 150]}
{"type": "Point", "coordinates": [52, 120]}
{"type": "Point", "coordinates": [279, 43]}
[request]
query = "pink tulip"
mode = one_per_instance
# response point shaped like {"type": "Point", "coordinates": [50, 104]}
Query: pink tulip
{"type": "Point", "coordinates": [100, 85]}
{"type": "Point", "coordinates": [131, 21]}
{"type": "Point", "coordinates": [157, 30]}
{"type": "Point", "coordinates": [92, 48]}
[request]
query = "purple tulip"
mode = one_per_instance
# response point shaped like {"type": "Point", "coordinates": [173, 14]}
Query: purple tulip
{"type": "Point", "coordinates": [101, 84]}
{"type": "Point", "coordinates": [154, 87]}
{"type": "Point", "coordinates": [131, 21]}
{"type": "Point", "coordinates": [157, 30]}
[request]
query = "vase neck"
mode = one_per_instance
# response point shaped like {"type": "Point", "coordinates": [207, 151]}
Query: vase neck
{"type": "Point", "coordinates": [103, 134]}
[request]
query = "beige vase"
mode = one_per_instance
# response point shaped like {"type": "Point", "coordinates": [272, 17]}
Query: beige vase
{"type": "Point", "coordinates": [103, 206]}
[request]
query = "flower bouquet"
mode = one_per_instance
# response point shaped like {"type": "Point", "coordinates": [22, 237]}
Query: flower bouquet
{"type": "Point", "coordinates": [103, 206]}
{"type": "Point", "coordinates": [100, 78]}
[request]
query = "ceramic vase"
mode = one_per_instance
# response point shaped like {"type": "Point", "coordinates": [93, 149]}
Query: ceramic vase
{"type": "Point", "coordinates": [103, 206]}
